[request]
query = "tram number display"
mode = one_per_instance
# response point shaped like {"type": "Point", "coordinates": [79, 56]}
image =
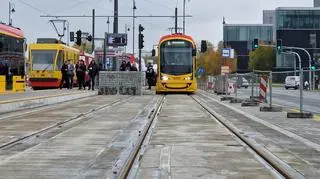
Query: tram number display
{"type": "Point", "coordinates": [179, 43]}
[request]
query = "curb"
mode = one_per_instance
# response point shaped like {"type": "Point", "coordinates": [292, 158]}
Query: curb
{"type": "Point", "coordinates": [17, 105]}
{"type": "Point", "coordinates": [271, 109]}
{"type": "Point", "coordinates": [301, 115]}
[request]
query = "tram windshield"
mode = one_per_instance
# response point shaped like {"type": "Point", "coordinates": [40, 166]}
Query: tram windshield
{"type": "Point", "coordinates": [176, 57]}
{"type": "Point", "coordinates": [43, 59]}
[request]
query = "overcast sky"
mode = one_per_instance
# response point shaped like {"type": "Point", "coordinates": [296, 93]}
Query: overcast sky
{"type": "Point", "coordinates": [206, 23]}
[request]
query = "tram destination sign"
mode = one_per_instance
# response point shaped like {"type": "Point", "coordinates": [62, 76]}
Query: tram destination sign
{"type": "Point", "coordinates": [116, 39]}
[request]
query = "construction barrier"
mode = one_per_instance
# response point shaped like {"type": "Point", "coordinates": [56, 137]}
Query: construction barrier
{"type": "Point", "coordinates": [19, 84]}
{"type": "Point", "coordinates": [263, 88]}
{"type": "Point", "coordinates": [2, 84]}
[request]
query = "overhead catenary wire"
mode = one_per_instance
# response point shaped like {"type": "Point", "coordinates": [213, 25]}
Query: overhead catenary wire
{"type": "Point", "coordinates": [33, 7]}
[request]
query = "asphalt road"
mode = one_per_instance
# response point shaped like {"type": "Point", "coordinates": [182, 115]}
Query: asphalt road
{"type": "Point", "coordinates": [290, 98]}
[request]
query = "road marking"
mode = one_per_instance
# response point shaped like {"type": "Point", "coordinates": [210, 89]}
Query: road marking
{"type": "Point", "coordinates": [316, 117]}
{"type": "Point", "coordinates": [295, 110]}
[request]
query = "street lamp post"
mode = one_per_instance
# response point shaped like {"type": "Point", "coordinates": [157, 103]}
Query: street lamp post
{"type": "Point", "coordinates": [126, 29]}
{"type": "Point", "coordinates": [184, 16]}
{"type": "Point", "coordinates": [108, 22]}
{"type": "Point", "coordinates": [133, 25]}
{"type": "Point", "coordinates": [11, 10]}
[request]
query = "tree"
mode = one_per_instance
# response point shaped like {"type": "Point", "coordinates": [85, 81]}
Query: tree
{"type": "Point", "coordinates": [212, 60]}
{"type": "Point", "coordinates": [86, 46]}
{"type": "Point", "coordinates": [262, 58]}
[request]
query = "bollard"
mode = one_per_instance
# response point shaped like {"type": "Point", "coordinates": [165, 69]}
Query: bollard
{"type": "Point", "coordinates": [2, 84]}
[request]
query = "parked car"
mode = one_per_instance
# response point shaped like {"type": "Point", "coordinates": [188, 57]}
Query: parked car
{"type": "Point", "coordinates": [292, 82]}
{"type": "Point", "coordinates": [242, 82]}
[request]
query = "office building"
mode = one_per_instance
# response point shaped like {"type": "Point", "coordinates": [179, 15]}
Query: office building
{"type": "Point", "coordinates": [240, 37]}
{"type": "Point", "coordinates": [298, 27]}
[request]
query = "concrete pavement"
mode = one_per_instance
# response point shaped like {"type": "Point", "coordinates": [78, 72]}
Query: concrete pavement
{"type": "Point", "coordinates": [188, 143]}
{"type": "Point", "coordinates": [94, 147]}
{"type": "Point", "coordinates": [294, 141]}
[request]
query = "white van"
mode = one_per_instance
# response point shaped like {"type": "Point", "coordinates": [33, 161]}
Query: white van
{"type": "Point", "coordinates": [292, 82]}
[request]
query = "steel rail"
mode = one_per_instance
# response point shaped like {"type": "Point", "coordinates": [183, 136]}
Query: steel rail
{"type": "Point", "coordinates": [117, 102]}
{"type": "Point", "coordinates": [283, 169]}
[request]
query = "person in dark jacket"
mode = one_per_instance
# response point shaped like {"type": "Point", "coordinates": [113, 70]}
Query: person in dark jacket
{"type": "Point", "coordinates": [70, 73]}
{"type": "Point", "coordinates": [64, 72]}
{"type": "Point", "coordinates": [2, 69]}
{"type": "Point", "coordinates": [93, 70]}
{"type": "Point", "coordinates": [81, 72]}
{"type": "Point", "coordinates": [133, 67]}
{"type": "Point", "coordinates": [150, 75]}
{"type": "Point", "coordinates": [128, 66]}
{"type": "Point", "coordinates": [123, 66]}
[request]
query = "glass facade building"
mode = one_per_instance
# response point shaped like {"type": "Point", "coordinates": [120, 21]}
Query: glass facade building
{"type": "Point", "coordinates": [316, 3]}
{"type": "Point", "coordinates": [234, 32]}
{"type": "Point", "coordinates": [269, 17]}
{"type": "Point", "coordinates": [298, 27]}
{"type": "Point", "coordinates": [302, 18]}
{"type": "Point", "coordinates": [240, 37]}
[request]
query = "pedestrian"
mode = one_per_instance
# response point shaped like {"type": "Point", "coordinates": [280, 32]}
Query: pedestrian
{"type": "Point", "coordinates": [70, 74]}
{"type": "Point", "coordinates": [306, 85]}
{"type": "Point", "coordinates": [134, 67]}
{"type": "Point", "coordinates": [128, 66]}
{"type": "Point", "coordinates": [64, 74]}
{"type": "Point", "coordinates": [93, 72]}
{"type": "Point", "coordinates": [81, 71]}
{"type": "Point", "coordinates": [150, 75]}
{"type": "Point", "coordinates": [123, 66]}
{"type": "Point", "coordinates": [2, 70]}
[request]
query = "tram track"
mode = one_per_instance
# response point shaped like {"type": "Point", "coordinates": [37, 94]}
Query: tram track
{"type": "Point", "coordinates": [282, 168]}
{"type": "Point", "coordinates": [75, 119]}
{"type": "Point", "coordinates": [134, 157]}
{"type": "Point", "coordinates": [265, 157]}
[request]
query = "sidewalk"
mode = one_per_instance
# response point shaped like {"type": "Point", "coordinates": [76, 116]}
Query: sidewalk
{"type": "Point", "coordinates": [295, 141]}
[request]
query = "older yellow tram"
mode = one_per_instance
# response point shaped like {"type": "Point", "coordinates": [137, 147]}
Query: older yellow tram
{"type": "Point", "coordinates": [176, 64]}
{"type": "Point", "coordinates": [46, 59]}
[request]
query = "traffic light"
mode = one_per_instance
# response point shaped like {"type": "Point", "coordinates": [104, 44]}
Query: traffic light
{"type": "Point", "coordinates": [255, 44]}
{"type": "Point", "coordinates": [203, 46]}
{"type": "Point", "coordinates": [279, 44]}
{"type": "Point", "coordinates": [141, 45]}
{"type": "Point", "coordinates": [71, 36]}
{"type": "Point", "coordinates": [89, 38]}
{"type": "Point", "coordinates": [141, 28]}
{"type": "Point", "coordinates": [141, 36]}
{"type": "Point", "coordinates": [78, 41]}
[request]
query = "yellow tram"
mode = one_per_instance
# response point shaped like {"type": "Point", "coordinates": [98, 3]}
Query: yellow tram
{"type": "Point", "coordinates": [46, 59]}
{"type": "Point", "coordinates": [176, 64]}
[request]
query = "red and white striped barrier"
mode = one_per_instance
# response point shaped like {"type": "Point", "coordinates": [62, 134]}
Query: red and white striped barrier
{"type": "Point", "coordinates": [263, 88]}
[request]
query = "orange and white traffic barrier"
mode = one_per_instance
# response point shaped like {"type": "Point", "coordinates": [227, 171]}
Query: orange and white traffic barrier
{"type": "Point", "coordinates": [263, 88]}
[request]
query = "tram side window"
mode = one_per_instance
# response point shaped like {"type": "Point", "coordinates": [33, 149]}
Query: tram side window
{"type": "Point", "coordinates": [11, 44]}
{"type": "Point", "coordinates": [60, 60]}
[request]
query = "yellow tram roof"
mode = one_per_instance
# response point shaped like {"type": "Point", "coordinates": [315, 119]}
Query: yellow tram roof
{"type": "Point", "coordinates": [54, 46]}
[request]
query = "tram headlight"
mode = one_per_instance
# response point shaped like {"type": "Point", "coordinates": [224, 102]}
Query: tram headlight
{"type": "Point", "coordinates": [164, 78]}
{"type": "Point", "coordinates": [187, 78]}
